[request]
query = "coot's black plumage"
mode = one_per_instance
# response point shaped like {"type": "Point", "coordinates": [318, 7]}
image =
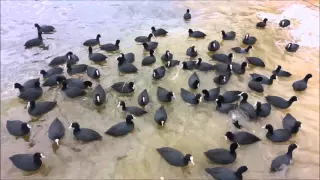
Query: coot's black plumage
{"type": "Point", "coordinates": [211, 95]}
{"type": "Point", "coordinates": [196, 34]}
{"type": "Point", "coordinates": [249, 40]}
{"type": "Point", "coordinates": [150, 46]}
{"type": "Point", "coordinates": [148, 60]}
{"type": "Point", "coordinates": [167, 56]}
{"type": "Point", "coordinates": [60, 60]}
{"type": "Point", "coordinates": [246, 107]}
{"type": "Point", "coordinates": [231, 96]}
{"type": "Point", "coordinates": [84, 134]}
{"type": "Point", "coordinates": [194, 81]}
{"type": "Point", "coordinates": [302, 84]}
{"type": "Point", "coordinates": [222, 107]}
{"type": "Point", "coordinates": [99, 95]}
{"type": "Point", "coordinates": [76, 69]}
{"type": "Point", "coordinates": [172, 63]}
{"type": "Point", "coordinates": [93, 72]}
{"type": "Point", "coordinates": [72, 82]}
{"type": "Point", "coordinates": [203, 66]}
{"type": "Point", "coordinates": [159, 73]}
{"type": "Point", "coordinates": [53, 80]}
{"type": "Point", "coordinates": [41, 107]}
{"type": "Point", "coordinates": [143, 39]}
{"type": "Point", "coordinates": [96, 57]}
{"type": "Point", "coordinates": [50, 72]}
{"type": "Point", "coordinates": [122, 128]}
{"type": "Point", "coordinates": [123, 87]}
{"type": "Point", "coordinates": [27, 162]}
{"type": "Point", "coordinates": [222, 79]}
{"type": "Point", "coordinates": [222, 173]}
{"type": "Point", "coordinates": [192, 52]}
{"type": "Point", "coordinates": [255, 84]}
{"type": "Point", "coordinates": [126, 67]}
{"type": "Point", "coordinates": [46, 29]}
{"type": "Point", "coordinates": [283, 160]}
{"type": "Point", "coordinates": [278, 135]}
{"type": "Point", "coordinates": [187, 15]}
{"type": "Point", "coordinates": [221, 155]}
{"type": "Point", "coordinates": [239, 68]}
{"type": "Point", "coordinates": [73, 59]}
{"type": "Point", "coordinates": [262, 24]}
{"type": "Point", "coordinates": [56, 130]}
{"type": "Point", "coordinates": [281, 103]}
{"type": "Point", "coordinates": [263, 110]}
{"type": "Point", "coordinates": [223, 58]}
{"type": "Point", "coordinates": [126, 58]}
{"type": "Point", "coordinates": [34, 42]}
{"type": "Point", "coordinates": [284, 23]}
{"type": "Point", "coordinates": [93, 42]}
{"type": "Point", "coordinates": [31, 83]}
{"type": "Point", "coordinates": [222, 68]}
{"type": "Point", "coordinates": [280, 72]}
{"type": "Point", "coordinates": [143, 98]}
{"type": "Point", "coordinates": [228, 35]}
{"type": "Point", "coordinates": [164, 95]}
{"type": "Point", "coordinates": [29, 94]}
{"type": "Point", "coordinates": [188, 65]}
{"type": "Point", "coordinates": [136, 111]}
{"type": "Point", "coordinates": [255, 61]}
{"type": "Point", "coordinates": [242, 50]}
{"type": "Point", "coordinates": [175, 157]}
{"type": "Point", "coordinates": [72, 91]}
{"type": "Point", "coordinates": [291, 47]}
{"type": "Point", "coordinates": [160, 117]}
{"type": "Point", "coordinates": [291, 124]}
{"type": "Point", "coordinates": [158, 32]}
{"type": "Point", "coordinates": [18, 128]}
{"type": "Point", "coordinates": [190, 97]}
{"type": "Point", "coordinates": [110, 46]}
{"type": "Point", "coordinates": [242, 137]}
{"type": "Point", "coordinates": [265, 79]}
{"type": "Point", "coordinates": [213, 46]}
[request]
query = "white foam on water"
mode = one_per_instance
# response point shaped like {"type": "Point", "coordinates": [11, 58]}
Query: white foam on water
{"type": "Point", "coordinates": [307, 32]}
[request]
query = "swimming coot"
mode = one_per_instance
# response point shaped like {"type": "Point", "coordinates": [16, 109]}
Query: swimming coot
{"type": "Point", "coordinates": [281, 103]}
{"type": "Point", "coordinates": [263, 110]}
{"type": "Point", "coordinates": [31, 83]}
{"type": "Point", "coordinates": [158, 32]}
{"type": "Point", "coordinates": [18, 128]}
{"type": "Point", "coordinates": [41, 107]}
{"type": "Point", "coordinates": [246, 107]}
{"type": "Point", "coordinates": [148, 60]}
{"type": "Point", "coordinates": [192, 52]}
{"type": "Point", "coordinates": [187, 15]}
{"type": "Point", "coordinates": [228, 35]}
{"type": "Point", "coordinates": [255, 84]}
{"type": "Point", "coordinates": [278, 135]}
{"type": "Point", "coordinates": [221, 68]}
{"type": "Point", "coordinates": [123, 87]}
{"type": "Point", "coordinates": [29, 94]}
{"type": "Point", "coordinates": [160, 117]}
{"type": "Point", "coordinates": [110, 46]}
{"type": "Point", "coordinates": [136, 111]}
{"type": "Point", "coordinates": [73, 59]}
{"type": "Point", "coordinates": [242, 137]}
{"type": "Point", "coordinates": [242, 50]}
{"type": "Point", "coordinates": [45, 28]}
{"type": "Point", "coordinates": [167, 56]}
{"type": "Point", "coordinates": [223, 173]}
{"type": "Point", "coordinates": [196, 34]}
{"type": "Point", "coordinates": [231, 96]}
{"type": "Point", "coordinates": [150, 46]}
{"type": "Point", "coordinates": [291, 47]}
{"type": "Point", "coordinates": [76, 69]}
{"type": "Point", "coordinates": [188, 65]}
{"type": "Point", "coordinates": [249, 40]}
{"type": "Point", "coordinates": [222, 156]}
{"type": "Point", "coordinates": [175, 157]}
{"type": "Point", "coordinates": [143, 39]}
{"type": "Point", "coordinates": [222, 107]}
{"type": "Point", "coordinates": [143, 98]}
{"type": "Point", "coordinates": [190, 97]}
{"type": "Point", "coordinates": [93, 42]}
{"type": "Point", "coordinates": [284, 23]}
{"type": "Point", "coordinates": [302, 84]}
{"type": "Point", "coordinates": [122, 128]}
{"type": "Point", "coordinates": [165, 95]}
{"type": "Point", "coordinates": [255, 61]}
{"type": "Point", "coordinates": [211, 95]}
{"type": "Point", "coordinates": [239, 68]}
{"type": "Point", "coordinates": [93, 72]}
{"type": "Point", "coordinates": [203, 66]}
{"type": "Point", "coordinates": [84, 134]}
{"type": "Point", "coordinates": [194, 81]}
{"type": "Point", "coordinates": [72, 91]}
{"type": "Point", "coordinates": [159, 73]}
{"type": "Point", "coordinates": [265, 79]}
{"type": "Point", "coordinates": [50, 72]}
{"type": "Point", "coordinates": [99, 95]}
{"type": "Point", "coordinates": [172, 63]}
{"type": "Point", "coordinates": [223, 58]}
{"type": "Point", "coordinates": [291, 124]}
{"type": "Point", "coordinates": [213, 46]}
{"type": "Point", "coordinates": [126, 67]}
{"type": "Point", "coordinates": [262, 24]}
{"type": "Point", "coordinates": [27, 162]}
{"type": "Point", "coordinates": [280, 72]}
{"type": "Point", "coordinates": [56, 131]}
{"type": "Point", "coordinates": [53, 80]}
{"type": "Point", "coordinates": [34, 42]}
{"type": "Point", "coordinates": [127, 58]}
{"type": "Point", "coordinates": [281, 161]}
{"type": "Point", "coordinates": [78, 83]}
{"type": "Point", "coordinates": [96, 57]}
{"type": "Point", "coordinates": [60, 60]}
{"type": "Point", "coordinates": [221, 79]}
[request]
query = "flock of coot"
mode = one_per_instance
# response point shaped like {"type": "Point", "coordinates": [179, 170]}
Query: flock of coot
{"type": "Point", "coordinates": [31, 90]}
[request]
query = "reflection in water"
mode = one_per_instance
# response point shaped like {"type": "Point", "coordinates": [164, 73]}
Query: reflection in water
{"type": "Point", "coordinates": [189, 129]}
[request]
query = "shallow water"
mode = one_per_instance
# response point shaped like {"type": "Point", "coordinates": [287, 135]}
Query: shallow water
{"type": "Point", "coordinates": [190, 129]}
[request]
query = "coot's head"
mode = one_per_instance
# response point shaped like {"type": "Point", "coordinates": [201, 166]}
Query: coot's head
{"type": "Point", "coordinates": [74, 125]}
{"type": "Point", "coordinates": [190, 31]}
{"type": "Point", "coordinates": [189, 158]}
{"type": "Point", "coordinates": [17, 85]}
{"type": "Point", "coordinates": [37, 156]}
{"type": "Point", "coordinates": [37, 25]}
{"type": "Point", "coordinates": [308, 76]}
{"type": "Point", "coordinates": [131, 85]}
{"type": "Point", "coordinates": [153, 28]}
{"type": "Point", "coordinates": [265, 20]}
{"type": "Point", "coordinates": [98, 36]}
{"type": "Point", "coordinates": [269, 127]}
{"type": "Point", "coordinates": [129, 119]}
{"type": "Point", "coordinates": [122, 104]}
{"type": "Point", "coordinates": [188, 10]}
{"type": "Point", "coordinates": [233, 147]}
{"type": "Point", "coordinates": [229, 135]}
{"type": "Point", "coordinates": [292, 147]}
{"type": "Point", "coordinates": [117, 42]}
